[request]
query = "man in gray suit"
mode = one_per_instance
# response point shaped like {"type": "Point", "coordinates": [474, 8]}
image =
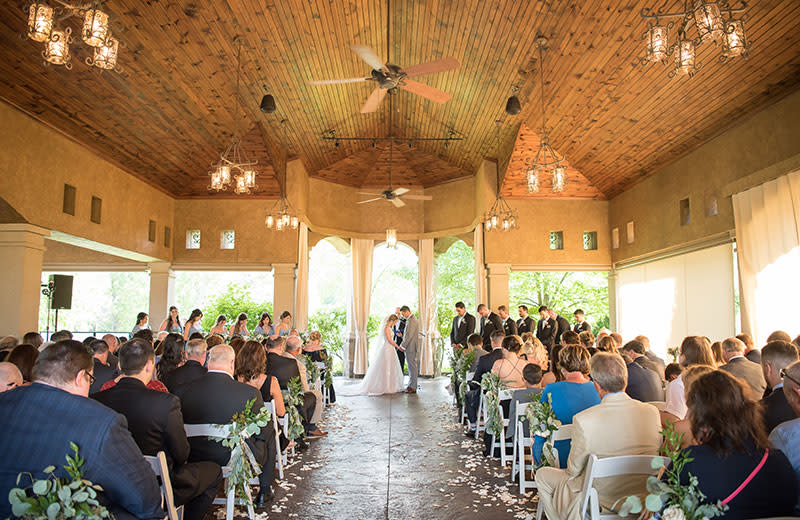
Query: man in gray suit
{"type": "Point", "coordinates": [739, 366]}
{"type": "Point", "coordinates": [410, 341]}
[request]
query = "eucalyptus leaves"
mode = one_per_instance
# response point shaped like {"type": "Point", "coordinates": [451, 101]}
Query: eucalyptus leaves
{"type": "Point", "coordinates": [293, 397]}
{"type": "Point", "coordinates": [491, 384]}
{"type": "Point", "coordinates": [311, 369]}
{"type": "Point", "coordinates": [58, 498]}
{"type": "Point", "coordinates": [543, 423]}
{"type": "Point", "coordinates": [462, 366]}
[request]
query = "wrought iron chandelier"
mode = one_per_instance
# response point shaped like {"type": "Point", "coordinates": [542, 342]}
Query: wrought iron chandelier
{"type": "Point", "coordinates": [501, 216]}
{"type": "Point", "coordinates": [282, 216]}
{"type": "Point", "coordinates": [546, 162]}
{"type": "Point", "coordinates": [706, 16]}
{"type": "Point", "coordinates": [43, 27]}
{"type": "Point", "coordinates": [233, 166]}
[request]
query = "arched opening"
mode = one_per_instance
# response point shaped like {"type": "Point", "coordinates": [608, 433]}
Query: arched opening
{"type": "Point", "coordinates": [395, 282]}
{"type": "Point", "coordinates": [455, 281]}
{"type": "Point", "coordinates": [328, 289]}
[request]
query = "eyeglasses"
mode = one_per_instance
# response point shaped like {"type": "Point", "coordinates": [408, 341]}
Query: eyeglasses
{"type": "Point", "coordinates": [92, 379]}
{"type": "Point", "coordinates": [784, 375]}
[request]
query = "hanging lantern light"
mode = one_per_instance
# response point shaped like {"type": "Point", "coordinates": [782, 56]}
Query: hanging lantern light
{"type": "Point", "coordinates": [249, 178]}
{"type": "Point", "coordinates": [685, 57]}
{"type": "Point", "coordinates": [391, 238]}
{"type": "Point", "coordinates": [533, 180]}
{"type": "Point", "coordinates": [240, 186]}
{"type": "Point", "coordinates": [95, 27]}
{"type": "Point", "coordinates": [657, 44]}
{"type": "Point", "coordinates": [559, 179]}
{"type": "Point", "coordinates": [295, 222]}
{"type": "Point", "coordinates": [735, 42]}
{"type": "Point", "coordinates": [40, 21]}
{"type": "Point", "coordinates": [708, 20]}
{"type": "Point", "coordinates": [56, 50]}
{"type": "Point", "coordinates": [105, 55]}
{"type": "Point", "coordinates": [270, 221]}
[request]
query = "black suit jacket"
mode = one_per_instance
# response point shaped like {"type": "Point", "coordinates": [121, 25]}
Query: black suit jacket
{"type": "Point", "coordinates": [546, 331]}
{"type": "Point", "coordinates": [458, 336]}
{"type": "Point", "coordinates": [190, 371]}
{"type": "Point", "coordinates": [776, 409]}
{"type": "Point", "coordinates": [526, 325]}
{"type": "Point", "coordinates": [39, 421]}
{"type": "Point", "coordinates": [509, 327]}
{"type": "Point", "coordinates": [563, 326]}
{"type": "Point", "coordinates": [582, 327]}
{"type": "Point", "coordinates": [214, 399]}
{"type": "Point", "coordinates": [485, 363]}
{"type": "Point", "coordinates": [646, 363]}
{"type": "Point", "coordinates": [102, 374]}
{"type": "Point", "coordinates": [754, 356]}
{"type": "Point", "coordinates": [283, 369]}
{"type": "Point", "coordinates": [643, 384]}
{"type": "Point", "coordinates": [491, 323]}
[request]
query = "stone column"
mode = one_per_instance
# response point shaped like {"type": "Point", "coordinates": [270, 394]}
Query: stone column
{"type": "Point", "coordinates": [21, 250]}
{"type": "Point", "coordinates": [301, 284]}
{"type": "Point", "coordinates": [498, 285]}
{"type": "Point", "coordinates": [612, 301]}
{"type": "Point", "coordinates": [283, 289]}
{"type": "Point", "coordinates": [162, 292]}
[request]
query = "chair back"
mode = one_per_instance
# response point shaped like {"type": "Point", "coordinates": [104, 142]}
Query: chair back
{"type": "Point", "coordinates": [320, 365]}
{"type": "Point", "coordinates": [614, 467]}
{"type": "Point", "coordinates": [470, 375]}
{"type": "Point", "coordinates": [205, 430]}
{"type": "Point", "coordinates": [159, 465]}
{"type": "Point", "coordinates": [658, 404]}
{"type": "Point", "coordinates": [505, 395]}
{"type": "Point", "coordinates": [563, 433]}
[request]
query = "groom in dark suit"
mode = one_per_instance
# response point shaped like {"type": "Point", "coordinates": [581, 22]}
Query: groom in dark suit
{"type": "Point", "coordinates": [463, 326]}
{"type": "Point", "coordinates": [397, 329]}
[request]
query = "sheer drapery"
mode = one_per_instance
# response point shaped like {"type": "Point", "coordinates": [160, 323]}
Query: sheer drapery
{"type": "Point", "coordinates": [768, 242]}
{"type": "Point", "coordinates": [301, 288]}
{"type": "Point", "coordinates": [428, 312]}
{"type": "Point", "coordinates": [481, 288]}
{"type": "Point", "coordinates": [360, 300]}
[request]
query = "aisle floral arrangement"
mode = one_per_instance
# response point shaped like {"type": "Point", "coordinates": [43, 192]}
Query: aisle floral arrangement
{"type": "Point", "coordinates": [311, 369]}
{"type": "Point", "coordinates": [292, 398]}
{"type": "Point", "coordinates": [57, 498]}
{"type": "Point", "coordinates": [543, 423]}
{"type": "Point", "coordinates": [492, 385]}
{"type": "Point", "coordinates": [461, 368]}
{"type": "Point", "coordinates": [328, 360]}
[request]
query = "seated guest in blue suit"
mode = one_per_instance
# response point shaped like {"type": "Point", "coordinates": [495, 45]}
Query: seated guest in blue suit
{"type": "Point", "coordinates": [573, 394]}
{"type": "Point", "coordinates": [644, 383]}
{"type": "Point", "coordinates": [40, 420]}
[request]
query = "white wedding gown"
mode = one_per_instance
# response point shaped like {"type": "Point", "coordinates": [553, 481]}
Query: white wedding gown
{"type": "Point", "coordinates": [384, 375]}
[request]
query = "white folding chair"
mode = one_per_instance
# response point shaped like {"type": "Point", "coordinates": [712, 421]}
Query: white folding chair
{"type": "Point", "coordinates": [463, 418]}
{"type": "Point", "coordinates": [279, 461]}
{"type": "Point", "coordinates": [326, 392]}
{"type": "Point", "coordinates": [563, 433]}
{"type": "Point", "coordinates": [284, 422]}
{"type": "Point", "coordinates": [214, 430]}
{"type": "Point", "coordinates": [480, 424]}
{"type": "Point", "coordinates": [502, 395]}
{"type": "Point", "coordinates": [159, 465]}
{"type": "Point", "coordinates": [658, 404]}
{"type": "Point", "coordinates": [521, 441]}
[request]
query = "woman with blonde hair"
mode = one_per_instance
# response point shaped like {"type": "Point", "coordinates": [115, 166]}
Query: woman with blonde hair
{"type": "Point", "coordinates": [318, 354]}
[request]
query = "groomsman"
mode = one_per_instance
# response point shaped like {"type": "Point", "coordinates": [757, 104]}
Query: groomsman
{"type": "Point", "coordinates": [563, 324]}
{"type": "Point", "coordinates": [463, 327]}
{"type": "Point", "coordinates": [398, 328]}
{"type": "Point", "coordinates": [546, 329]}
{"type": "Point", "coordinates": [509, 326]}
{"type": "Point", "coordinates": [490, 322]}
{"type": "Point", "coordinates": [581, 325]}
{"type": "Point", "coordinates": [525, 323]}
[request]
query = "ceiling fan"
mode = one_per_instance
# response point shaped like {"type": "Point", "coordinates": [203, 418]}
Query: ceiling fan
{"type": "Point", "coordinates": [392, 194]}
{"type": "Point", "coordinates": [390, 77]}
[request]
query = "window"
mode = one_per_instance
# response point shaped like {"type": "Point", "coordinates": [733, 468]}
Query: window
{"type": "Point", "coordinates": [686, 216]}
{"type": "Point", "coordinates": [193, 239]}
{"type": "Point", "coordinates": [227, 239]}
{"type": "Point", "coordinates": [630, 232]}
{"type": "Point", "coordinates": [97, 207]}
{"type": "Point", "coordinates": [615, 238]}
{"type": "Point", "coordinates": [167, 236]}
{"type": "Point", "coordinates": [151, 231]}
{"type": "Point", "coordinates": [69, 200]}
{"type": "Point", "coordinates": [590, 241]}
{"type": "Point", "coordinates": [556, 240]}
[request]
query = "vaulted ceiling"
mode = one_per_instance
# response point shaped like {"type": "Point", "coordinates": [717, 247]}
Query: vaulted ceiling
{"type": "Point", "coordinates": [167, 116]}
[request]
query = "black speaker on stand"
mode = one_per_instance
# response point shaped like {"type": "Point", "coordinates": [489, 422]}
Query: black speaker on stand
{"type": "Point", "coordinates": [61, 293]}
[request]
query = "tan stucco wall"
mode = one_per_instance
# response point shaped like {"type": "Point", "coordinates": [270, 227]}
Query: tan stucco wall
{"type": "Point", "coordinates": [36, 162]}
{"type": "Point", "coordinates": [761, 148]}
{"type": "Point", "coordinates": [61, 253]}
{"type": "Point", "coordinates": [452, 207]}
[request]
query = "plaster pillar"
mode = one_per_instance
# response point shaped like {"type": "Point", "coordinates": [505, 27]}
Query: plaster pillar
{"type": "Point", "coordinates": [481, 290]}
{"type": "Point", "coordinates": [162, 291]}
{"type": "Point", "coordinates": [612, 301]}
{"type": "Point", "coordinates": [21, 250]}
{"type": "Point", "coordinates": [498, 285]}
{"type": "Point", "coordinates": [283, 290]}
{"type": "Point", "coordinates": [301, 284]}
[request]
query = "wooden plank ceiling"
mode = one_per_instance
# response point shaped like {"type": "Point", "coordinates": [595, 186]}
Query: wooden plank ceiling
{"type": "Point", "coordinates": [167, 116]}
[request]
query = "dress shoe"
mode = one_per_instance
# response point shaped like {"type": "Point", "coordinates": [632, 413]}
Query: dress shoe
{"type": "Point", "coordinates": [410, 390]}
{"type": "Point", "coordinates": [316, 434]}
{"type": "Point", "coordinates": [301, 445]}
{"type": "Point", "coordinates": [264, 497]}
{"type": "Point", "coordinates": [469, 433]}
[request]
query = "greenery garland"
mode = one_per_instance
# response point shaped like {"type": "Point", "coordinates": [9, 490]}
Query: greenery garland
{"type": "Point", "coordinates": [491, 384]}
{"type": "Point", "coordinates": [328, 360]}
{"type": "Point", "coordinates": [543, 423]}
{"type": "Point", "coordinates": [312, 370]}
{"type": "Point", "coordinates": [292, 398]}
{"type": "Point", "coordinates": [462, 366]}
{"type": "Point", "coordinates": [453, 357]}
{"type": "Point", "coordinates": [58, 498]}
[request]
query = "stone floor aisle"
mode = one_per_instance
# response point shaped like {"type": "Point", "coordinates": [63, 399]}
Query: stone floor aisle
{"type": "Point", "coordinates": [396, 457]}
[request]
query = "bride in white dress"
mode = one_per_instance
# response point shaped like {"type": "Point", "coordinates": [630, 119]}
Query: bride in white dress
{"type": "Point", "coordinates": [384, 375]}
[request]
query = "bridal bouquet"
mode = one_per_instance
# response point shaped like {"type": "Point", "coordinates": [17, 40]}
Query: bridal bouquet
{"type": "Point", "coordinates": [292, 398]}
{"type": "Point", "coordinates": [543, 423]}
{"type": "Point", "coordinates": [667, 498]}
{"type": "Point", "coordinates": [491, 384]}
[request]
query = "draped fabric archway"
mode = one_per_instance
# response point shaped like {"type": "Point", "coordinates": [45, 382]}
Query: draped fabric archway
{"type": "Point", "coordinates": [428, 315]}
{"type": "Point", "coordinates": [481, 289]}
{"type": "Point", "coordinates": [358, 312]}
{"type": "Point", "coordinates": [301, 281]}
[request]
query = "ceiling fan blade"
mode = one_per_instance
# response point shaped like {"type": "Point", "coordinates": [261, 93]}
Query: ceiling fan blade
{"type": "Point", "coordinates": [400, 191]}
{"type": "Point", "coordinates": [370, 200]}
{"type": "Point", "coordinates": [417, 197]}
{"type": "Point", "coordinates": [432, 67]}
{"type": "Point", "coordinates": [434, 94]}
{"type": "Point", "coordinates": [374, 100]}
{"type": "Point", "coordinates": [337, 81]}
{"type": "Point", "coordinates": [370, 193]}
{"type": "Point", "coordinates": [397, 203]}
{"type": "Point", "coordinates": [368, 55]}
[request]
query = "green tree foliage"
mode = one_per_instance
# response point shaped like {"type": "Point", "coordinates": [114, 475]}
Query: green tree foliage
{"type": "Point", "coordinates": [455, 281]}
{"type": "Point", "coordinates": [235, 299]}
{"type": "Point", "coordinates": [332, 324]}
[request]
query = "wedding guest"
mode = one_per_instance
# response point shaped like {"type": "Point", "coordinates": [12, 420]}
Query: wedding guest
{"type": "Point", "coordinates": [684, 426]}
{"type": "Point", "coordinates": [571, 337]}
{"type": "Point", "coordinates": [113, 346]}
{"type": "Point", "coordinates": [779, 335]}
{"type": "Point", "coordinates": [24, 356]}
{"type": "Point", "coordinates": [211, 342]}
{"type": "Point", "coordinates": [172, 357]}
{"type": "Point", "coordinates": [192, 369]}
{"type": "Point", "coordinates": [40, 421]}
{"type": "Point", "coordinates": [535, 352]}
{"type": "Point", "coordinates": [581, 325]}
{"type": "Point", "coordinates": [240, 327]}
{"type": "Point", "coordinates": [102, 372]}
{"type": "Point", "coordinates": [617, 339]}
{"type": "Point", "coordinates": [525, 323]}
{"type": "Point", "coordinates": [141, 323]}
{"type": "Point", "coordinates": [294, 350]}
{"type": "Point", "coordinates": [649, 354]}
{"type": "Point", "coordinates": [472, 398]}
{"type": "Point", "coordinates": [616, 426]}
{"type": "Point", "coordinates": [33, 338]}
{"type": "Point", "coordinates": [741, 367]}
{"type": "Point", "coordinates": [475, 344]}
{"type": "Point", "coordinates": [509, 325]}
{"type": "Point", "coordinates": [10, 376]}
{"type": "Point", "coordinates": [733, 461]}
{"type": "Point", "coordinates": [264, 327]}
{"type": "Point", "coordinates": [284, 326]}
{"type": "Point", "coordinates": [509, 367]}
{"type": "Point", "coordinates": [172, 323]}
{"type": "Point", "coordinates": [716, 351]}
{"type": "Point", "coordinates": [192, 325]}
{"type": "Point", "coordinates": [672, 371]}
{"type": "Point", "coordinates": [7, 344]}
{"type": "Point", "coordinates": [636, 350]}
{"type": "Point", "coordinates": [60, 336]}
{"type": "Point", "coordinates": [236, 344]}
{"type": "Point", "coordinates": [694, 350]}
{"type": "Point", "coordinates": [775, 357]}
{"type": "Point", "coordinates": [284, 370]}
{"type": "Point", "coordinates": [561, 322]}
{"type": "Point", "coordinates": [463, 326]}
{"type": "Point", "coordinates": [155, 421]}
{"type": "Point", "coordinates": [490, 322]}
{"type": "Point", "coordinates": [546, 329]}
{"type": "Point", "coordinates": [555, 370]}
{"type": "Point", "coordinates": [570, 396]}
{"type": "Point", "coordinates": [587, 339]}
{"type": "Point", "coordinates": [532, 374]}
{"type": "Point", "coordinates": [319, 354]}
{"type": "Point", "coordinates": [145, 334]}
{"type": "Point", "coordinates": [220, 327]}
{"type": "Point", "coordinates": [607, 344]}
{"type": "Point", "coordinates": [750, 350]}
{"type": "Point", "coordinates": [644, 384]}
{"type": "Point", "coordinates": [786, 436]}
{"type": "Point", "coordinates": [214, 399]}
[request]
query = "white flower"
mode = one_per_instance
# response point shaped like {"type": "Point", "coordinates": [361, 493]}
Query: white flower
{"type": "Point", "coordinates": [673, 513]}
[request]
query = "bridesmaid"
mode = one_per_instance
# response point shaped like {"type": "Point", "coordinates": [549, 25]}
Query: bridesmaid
{"type": "Point", "coordinates": [193, 324]}
{"type": "Point", "coordinates": [240, 328]}
{"type": "Point", "coordinates": [264, 327]}
{"type": "Point", "coordinates": [219, 327]}
{"type": "Point", "coordinates": [141, 323]}
{"type": "Point", "coordinates": [284, 327]}
{"type": "Point", "coordinates": [172, 324]}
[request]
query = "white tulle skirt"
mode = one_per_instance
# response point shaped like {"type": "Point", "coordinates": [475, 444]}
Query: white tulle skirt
{"type": "Point", "coordinates": [384, 375]}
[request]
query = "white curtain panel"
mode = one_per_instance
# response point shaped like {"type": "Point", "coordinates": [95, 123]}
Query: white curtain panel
{"type": "Point", "coordinates": [301, 290]}
{"type": "Point", "coordinates": [767, 221]}
{"type": "Point", "coordinates": [428, 312]}
{"type": "Point", "coordinates": [359, 304]}
{"type": "Point", "coordinates": [481, 288]}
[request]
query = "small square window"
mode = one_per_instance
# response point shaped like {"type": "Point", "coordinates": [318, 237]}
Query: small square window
{"type": "Point", "coordinates": [615, 238]}
{"type": "Point", "coordinates": [151, 231]}
{"type": "Point", "coordinates": [97, 209]}
{"type": "Point", "coordinates": [556, 240]}
{"type": "Point", "coordinates": [167, 236]}
{"type": "Point", "coordinates": [69, 200]}
{"type": "Point", "coordinates": [590, 241]}
{"type": "Point", "coordinates": [686, 215]}
{"type": "Point", "coordinates": [193, 239]}
{"type": "Point", "coordinates": [227, 239]}
{"type": "Point", "coordinates": [630, 232]}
